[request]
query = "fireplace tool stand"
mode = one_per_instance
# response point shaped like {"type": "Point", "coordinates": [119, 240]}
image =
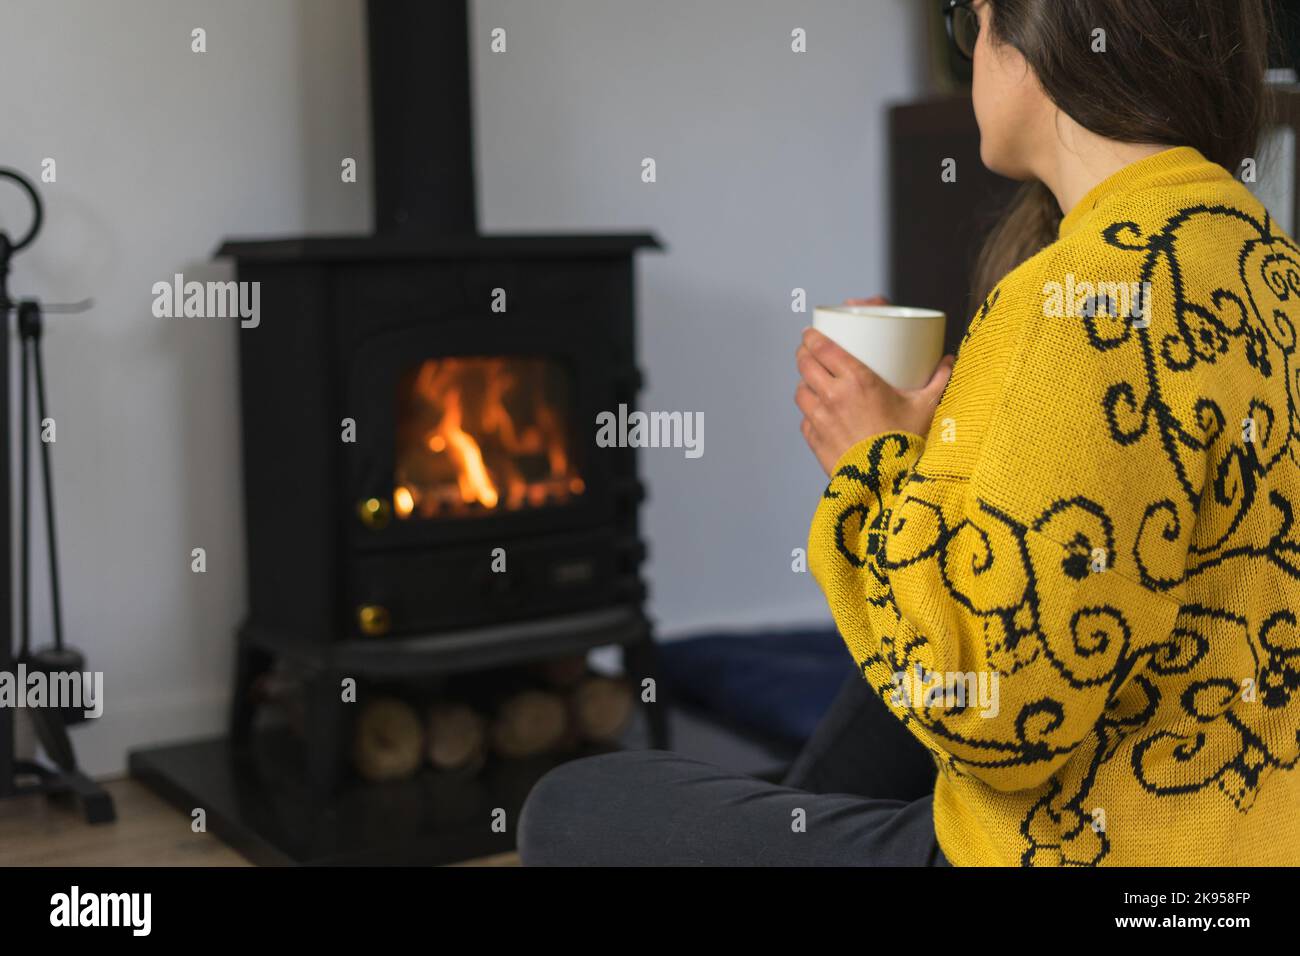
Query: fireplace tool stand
{"type": "Point", "coordinates": [23, 777]}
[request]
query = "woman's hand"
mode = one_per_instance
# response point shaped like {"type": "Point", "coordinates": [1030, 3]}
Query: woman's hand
{"type": "Point", "coordinates": [844, 401]}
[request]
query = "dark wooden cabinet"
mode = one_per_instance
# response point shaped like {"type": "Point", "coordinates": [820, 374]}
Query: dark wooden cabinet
{"type": "Point", "coordinates": [937, 228]}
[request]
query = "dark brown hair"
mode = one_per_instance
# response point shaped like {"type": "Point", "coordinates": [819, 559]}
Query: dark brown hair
{"type": "Point", "coordinates": [1175, 73]}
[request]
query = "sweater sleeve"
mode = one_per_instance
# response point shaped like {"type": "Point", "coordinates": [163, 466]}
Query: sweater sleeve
{"type": "Point", "coordinates": [997, 640]}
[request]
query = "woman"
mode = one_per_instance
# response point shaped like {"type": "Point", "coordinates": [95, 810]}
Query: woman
{"type": "Point", "coordinates": [1094, 514]}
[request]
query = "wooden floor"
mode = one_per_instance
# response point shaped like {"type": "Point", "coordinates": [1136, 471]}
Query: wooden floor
{"type": "Point", "coordinates": [148, 832]}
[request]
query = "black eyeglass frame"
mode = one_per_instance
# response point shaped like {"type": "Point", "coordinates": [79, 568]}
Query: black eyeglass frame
{"type": "Point", "coordinates": [950, 9]}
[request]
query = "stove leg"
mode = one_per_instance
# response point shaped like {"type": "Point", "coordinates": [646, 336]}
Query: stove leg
{"type": "Point", "coordinates": [250, 664]}
{"type": "Point", "coordinates": [326, 728]}
{"type": "Point", "coordinates": [641, 660]}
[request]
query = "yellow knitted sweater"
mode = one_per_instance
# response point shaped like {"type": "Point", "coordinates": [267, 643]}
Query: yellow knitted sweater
{"type": "Point", "coordinates": [1080, 589]}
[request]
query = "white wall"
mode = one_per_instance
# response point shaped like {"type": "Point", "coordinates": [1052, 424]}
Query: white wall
{"type": "Point", "coordinates": [770, 176]}
{"type": "Point", "coordinates": [161, 153]}
{"type": "Point", "coordinates": [770, 169]}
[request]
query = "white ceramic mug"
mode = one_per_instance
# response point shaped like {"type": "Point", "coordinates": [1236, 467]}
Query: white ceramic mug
{"type": "Point", "coordinates": [901, 345]}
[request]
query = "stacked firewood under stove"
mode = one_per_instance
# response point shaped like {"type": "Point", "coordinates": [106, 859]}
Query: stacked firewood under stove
{"type": "Point", "coordinates": [551, 708]}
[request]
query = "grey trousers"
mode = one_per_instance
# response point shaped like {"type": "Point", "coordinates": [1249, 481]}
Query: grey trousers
{"type": "Point", "coordinates": [859, 794]}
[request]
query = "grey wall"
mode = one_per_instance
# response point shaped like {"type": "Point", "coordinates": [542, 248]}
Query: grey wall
{"type": "Point", "coordinates": [160, 153]}
{"type": "Point", "coordinates": [770, 176]}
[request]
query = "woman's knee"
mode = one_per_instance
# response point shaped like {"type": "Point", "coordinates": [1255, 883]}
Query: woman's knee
{"type": "Point", "coordinates": [560, 824]}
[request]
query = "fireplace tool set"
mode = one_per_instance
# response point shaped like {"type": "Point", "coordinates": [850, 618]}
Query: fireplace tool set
{"type": "Point", "coordinates": [58, 667]}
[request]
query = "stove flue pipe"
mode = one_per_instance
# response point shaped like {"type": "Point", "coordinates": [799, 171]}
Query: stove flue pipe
{"type": "Point", "coordinates": [421, 128]}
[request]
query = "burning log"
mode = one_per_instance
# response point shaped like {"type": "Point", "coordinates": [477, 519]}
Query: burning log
{"type": "Point", "coordinates": [483, 434]}
{"type": "Point", "coordinates": [389, 740]}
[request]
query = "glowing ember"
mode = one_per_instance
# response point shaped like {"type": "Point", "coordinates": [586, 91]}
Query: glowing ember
{"type": "Point", "coordinates": [476, 435]}
{"type": "Point", "coordinates": [403, 501]}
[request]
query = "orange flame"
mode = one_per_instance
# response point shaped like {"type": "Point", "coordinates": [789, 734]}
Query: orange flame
{"type": "Point", "coordinates": [472, 475]}
{"type": "Point", "coordinates": [481, 434]}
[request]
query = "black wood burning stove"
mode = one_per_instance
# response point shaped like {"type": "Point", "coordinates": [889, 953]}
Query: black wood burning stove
{"type": "Point", "coordinates": [423, 490]}
{"type": "Point", "coordinates": [403, 441]}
